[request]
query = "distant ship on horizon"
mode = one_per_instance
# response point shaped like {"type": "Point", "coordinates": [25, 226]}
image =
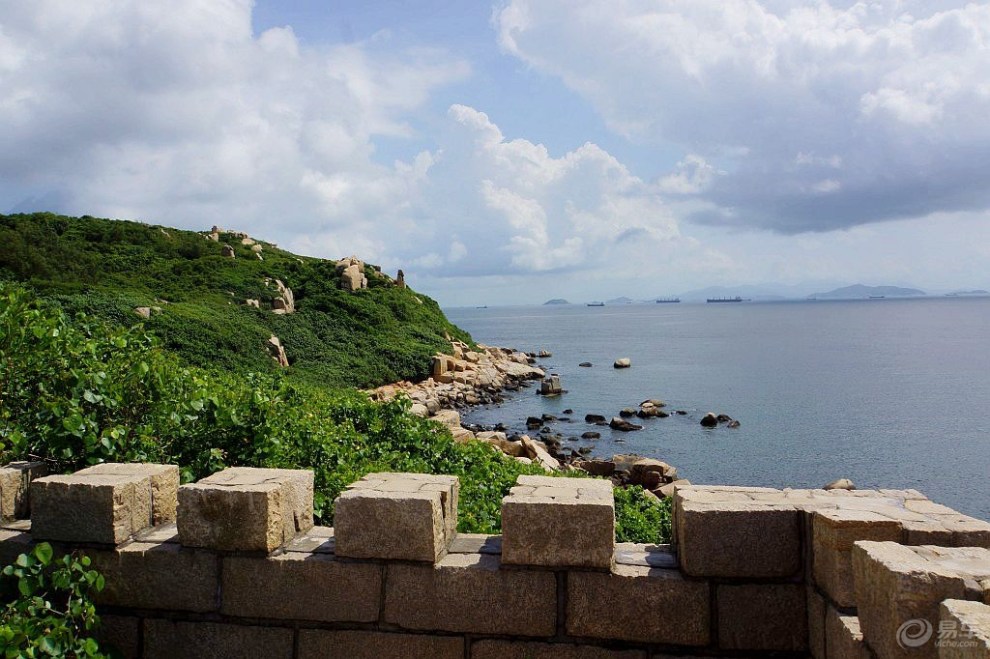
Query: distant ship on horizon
{"type": "Point", "coordinates": [596, 304]}
{"type": "Point", "coordinates": [668, 300]}
{"type": "Point", "coordinates": [713, 300]}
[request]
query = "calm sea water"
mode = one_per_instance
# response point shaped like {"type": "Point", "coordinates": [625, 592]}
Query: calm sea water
{"type": "Point", "coordinates": [889, 393]}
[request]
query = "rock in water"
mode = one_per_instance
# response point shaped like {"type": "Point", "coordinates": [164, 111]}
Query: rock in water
{"type": "Point", "coordinates": [618, 423]}
{"type": "Point", "coordinates": [840, 484]}
{"type": "Point", "coordinates": [710, 420]}
{"type": "Point", "coordinates": [594, 418]}
{"type": "Point", "coordinates": [585, 364]}
{"type": "Point", "coordinates": [551, 386]}
{"type": "Point", "coordinates": [622, 362]}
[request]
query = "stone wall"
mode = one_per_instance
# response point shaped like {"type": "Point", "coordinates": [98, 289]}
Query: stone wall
{"type": "Point", "coordinates": [232, 566]}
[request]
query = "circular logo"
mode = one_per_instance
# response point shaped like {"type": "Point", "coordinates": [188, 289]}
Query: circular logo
{"type": "Point", "coordinates": [914, 633]}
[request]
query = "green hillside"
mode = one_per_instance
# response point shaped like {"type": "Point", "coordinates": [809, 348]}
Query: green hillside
{"type": "Point", "coordinates": [107, 268]}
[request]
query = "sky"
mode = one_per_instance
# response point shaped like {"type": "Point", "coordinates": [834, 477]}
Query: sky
{"type": "Point", "coordinates": [513, 152]}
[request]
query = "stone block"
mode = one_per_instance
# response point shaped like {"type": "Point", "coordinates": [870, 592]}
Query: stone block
{"type": "Point", "coordinates": [833, 533]}
{"type": "Point", "coordinates": [471, 593]}
{"type": "Point", "coordinates": [762, 617]}
{"type": "Point", "coordinates": [640, 604]}
{"type": "Point", "coordinates": [397, 516]}
{"type": "Point", "coordinates": [724, 532]}
{"type": "Point", "coordinates": [15, 486]}
{"type": "Point", "coordinates": [120, 633]}
{"type": "Point", "coordinates": [496, 649]}
{"type": "Point", "coordinates": [158, 576]}
{"type": "Point", "coordinates": [896, 585]}
{"type": "Point", "coordinates": [98, 508]}
{"type": "Point", "coordinates": [844, 637]}
{"type": "Point", "coordinates": [559, 522]}
{"type": "Point", "coordinates": [12, 544]}
{"type": "Point", "coordinates": [966, 628]}
{"type": "Point", "coordinates": [167, 639]}
{"type": "Point", "coordinates": [163, 481]}
{"type": "Point", "coordinates": [816, 623]}
{"type": "Point", "coordinates": [317, 644]}
{"type": "Point", "coordinates": [300, 586]}
{"type": "Point", "coordinates": [246, 509]}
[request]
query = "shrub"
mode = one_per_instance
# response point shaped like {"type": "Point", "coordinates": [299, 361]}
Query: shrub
{"type": "Point", "coordinates": [52, 613]}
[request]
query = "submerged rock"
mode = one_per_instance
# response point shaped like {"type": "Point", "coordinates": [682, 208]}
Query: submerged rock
{"type": "Point", "coordinates": [618, 423]}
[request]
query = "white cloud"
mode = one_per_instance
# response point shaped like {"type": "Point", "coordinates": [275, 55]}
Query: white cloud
{"type": "Point", "coordinates": [882, 101]}
{"type": "Point", "coordinates": [176, 113]}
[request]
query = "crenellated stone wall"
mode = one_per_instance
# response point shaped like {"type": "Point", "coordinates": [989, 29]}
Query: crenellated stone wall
{"type": "Point", "coordinates": [232, 566]}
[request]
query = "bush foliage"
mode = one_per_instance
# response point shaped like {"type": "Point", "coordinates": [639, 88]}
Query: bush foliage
{"type": "Point", "coordinates": [51, 613]}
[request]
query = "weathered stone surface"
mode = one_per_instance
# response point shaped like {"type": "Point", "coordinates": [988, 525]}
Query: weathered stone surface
{"type": "Point", "coordinates": [316, 644]}
{"type": "Point", "coordinates": [120, 632]}
{"type": "Point", "coordinates": [833, 533]}
{"type": "Point", "coordinates": [559, 522]}
{"type": "Point", "coordinates": [12, 544]}
{"type": "Point", "coordinates": [300, 586]}
{"type": "Point", "coordinates": [100, 508]}
{"type": "Point", "coordinates": [896, 584]}
{"type": "Point", "coordinates": [493, 649]}
{"type": "Point", "coordinates": [637, 603]}
{"type": "Point", "coordinates": [397, 516]}
{"type": "Point", "coordinates": [246, 509]}
{"type": "Point", "coordinates": [816, 623]}
{"type": "Point", "coordinates": [967, 626]}
{"type": "Point", "coordinates": [762, 617]}
{"type": "Point", "coordinates": [725, 533]}
{"type": "Point", "coordinates": [158, 576]}
{"type": "Point", "coordinates": [470, 593]}
{"type": "Point", "coordinates": [844, 637]}
{"type": "Point", "coordinates": [162, 479]}
{"type": "Point", "coordinates": [15, 484]}
{"type": "Point", "coordinates": [165, 639]}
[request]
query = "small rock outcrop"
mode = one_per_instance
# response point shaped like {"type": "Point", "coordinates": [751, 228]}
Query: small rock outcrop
{"type": "Point", "coordinates": [227, 251]}
{"type": "Point", "coordinates": [143, 312]}
{"type": "Point", "coordinates": [622, 362]}
{"type": "Point", "coordinates": [350, 270]}
{"type": "Point", "coordinates": [594, 418]}
{"type": "Point", "coordinates": [253, 303]}
{"type": "Point", "coordinates": [618, 423]}
{"type": "Point", "coordinates": [840, 484]}
{"type": "Point", "coordinates": [400, 279]}
{"type": "Point", "coordinates": [285, 301]}
{"type": "Point", "coordinates": [551, 386]}
{"type": "Point", "coordinates": [710, 420]}
{"type": "Point", "coordinates": [277, 351]}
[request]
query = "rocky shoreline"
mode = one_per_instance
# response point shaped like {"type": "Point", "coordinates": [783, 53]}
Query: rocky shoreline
{"type": "Point", "coordinates": [470, 377]}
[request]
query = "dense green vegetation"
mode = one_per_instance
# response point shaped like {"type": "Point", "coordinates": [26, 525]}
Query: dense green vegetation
{"type": "Point", "coordinates": [83, 380]}
{"type": "Point", "coordinates": [49, 610]}
{"type": "Point", "coordinates": [107, 268]}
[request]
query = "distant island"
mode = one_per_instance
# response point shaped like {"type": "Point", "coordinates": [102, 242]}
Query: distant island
{"type": "Point", "coordinates": [556, 300]}
{"type": "Point", "coordinates": [858, 291]}
{"type": "Point", "coordinates": [620, 300]}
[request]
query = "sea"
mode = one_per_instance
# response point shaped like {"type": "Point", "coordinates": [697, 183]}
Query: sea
{"type": "Point", "coordinates": [887, 392]}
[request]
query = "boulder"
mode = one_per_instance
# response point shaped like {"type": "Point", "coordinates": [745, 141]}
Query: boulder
{"type": "Point", "coordinates": [627, 412]}
{"type": "Point", "coordinates": [591, 435]}
{"type": "Point", "coordinates": [733, 424]}
{"type": "Point", "coordinates": [418, 409]}
{"type": "Point", "coordinates": [724, 418]}
{"type": "Point", "coordinates": [534, 422]}
{"type": "Point", "coordinates": [448, 418]}
{"type": "Point", "coordinates": [667, 491]}
{"type": "Point", "coordinates": [350, 270]}
{"type": "Point", "coordinates": [840, 484]}
{"type": "Point", "coordinates": [285, 301]}
{"type": "Point", "coordinates": [277, 351]}
{"type": "Point", "coordinates": [622, 362]}
{"type": "Point", "coordinates": [461, 435]}
{"type": "Point", "coordinates": [227, 251]}
{"type": "Point", "coordinates": [143, 312]}
{"type": "Point", "coordinates": [543, 354]}
{"type": "Point", "coordinates": [400, 279]}
{"type": "Point", "coordinates": [651, 473]}
{"type": "Point", "coordinates": [709, 420]}
{"type": "Point", "coordinates": [551, 386]}
{"type": "Point", "coordinates": [256, 248]}
{"type": "Point", "coordinates": [594, 418]}
{"type": "Point", "coordinates": [253, 303]}
{"type": "Point", "coordinates": [597, 467]}
{"type": "Point", "coordinates": [653, 402]}
{"type": "Point", "coordinates": [537, 452]}
{"type": "Point", "coordinates": [618, 423]}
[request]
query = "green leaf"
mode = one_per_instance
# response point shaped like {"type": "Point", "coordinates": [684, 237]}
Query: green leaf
{"type": "Point", "coordinates": [43, 551]}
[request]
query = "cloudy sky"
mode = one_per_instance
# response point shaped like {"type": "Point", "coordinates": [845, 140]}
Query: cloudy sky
{"type": "Point", "coordinates": [527, 149]}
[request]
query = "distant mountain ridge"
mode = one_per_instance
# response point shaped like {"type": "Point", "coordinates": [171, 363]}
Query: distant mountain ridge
{"type": "Point", "coordinates": [861, 291]}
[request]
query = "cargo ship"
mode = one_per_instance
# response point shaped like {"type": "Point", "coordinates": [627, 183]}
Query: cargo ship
{"type": "Point", "coordinates": [713, 300]}
{"type": "Point", "coordinates": [668, 300]}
